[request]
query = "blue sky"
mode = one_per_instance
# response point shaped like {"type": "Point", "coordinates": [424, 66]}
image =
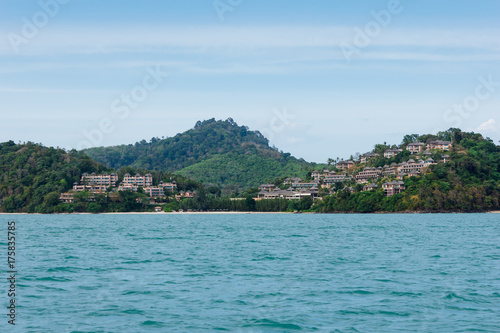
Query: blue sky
{"type": "Point", "coordinates": [319, 78]}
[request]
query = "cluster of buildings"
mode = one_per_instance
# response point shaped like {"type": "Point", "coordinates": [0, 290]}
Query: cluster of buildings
{"type": "Point", "coordinates": [368, 176]}
{"type": "Point", "coordinates": [417, 147]}
{"type": "Point", "coordinates": [297, 190]}
{"type": "Point", "coordinates": [99, 184]}
{"type": "Point", "coordinates": [410, 168]}
{"type": "Point", "coordinates": [413, 148]}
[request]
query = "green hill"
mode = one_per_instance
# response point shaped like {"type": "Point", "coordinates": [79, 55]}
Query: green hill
{"type": "Point", "coordinates": [469, 182]}
{"type": "Point", "coordinates": [32, 176]}
{"type": "Point", "coordinates": [215, 152]}
{"type": "Point", "coordinates": [243, 171]}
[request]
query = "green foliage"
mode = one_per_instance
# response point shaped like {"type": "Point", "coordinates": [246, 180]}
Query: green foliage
{"type": "Point", "coordinates": [303, 204]}
{"type": "Point", "coordinates": [214, 152]}
{"type": "Point", "coordinates": [242, 171]}
{"type": "Point", "coordinates": [469, 182]}
{"type": "Point", "coordinates": [32, 176]}
{"type": "Point", "coordinates": [94, 208]}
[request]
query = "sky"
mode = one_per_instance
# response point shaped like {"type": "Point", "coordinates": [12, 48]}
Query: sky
{"type": "Point", "coordinates": [319, 78]}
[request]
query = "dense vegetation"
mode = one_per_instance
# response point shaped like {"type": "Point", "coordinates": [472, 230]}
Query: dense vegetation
{"type": "Point", "coordinates": [32, 177]}
{"type": "Point", "coordinates": [469, 182]}
{"type": "Point", "coordinates": [240, 172]}
{"type": "Point", "coordinates": [217, 152]}
{"type": "Point", "coordinates": [209, 202]}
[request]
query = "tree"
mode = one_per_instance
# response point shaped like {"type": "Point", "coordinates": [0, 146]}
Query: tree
{"type": "Point", "coordinates": [250, 204]}
{"type": "Point", "coordinates": [94, 208]}
{"type": "Point", "coordinates": [51, 199]}
{"type": "Point", "coordinates": [409, 138]}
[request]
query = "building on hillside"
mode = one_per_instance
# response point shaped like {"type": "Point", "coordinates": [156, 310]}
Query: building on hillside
{"type": "Point", "coordinates": [392, 152]}
{"type": "Point", "coordinates": [415, 147]}
{"type": "Point", "coordinates": [335, 178]}
{"type": "Point", "coordinates": [67, 197]}
{"type": "Point", "coordinates": [370, 187]}
{"type": "Point", "coordinates": [440, 144]}
{"type": "Point", "coordinates": [168, 186]}
{"type": "Point", "coordinates": [127, 187]}
{"type": "Point", "coordinates": [301, 185]}
{"type": "Point", "coordinates": [103, 180]}
{"type": "Point", "coordinates": [154, 191]}
{"type": "Point", "coordinates": [445, 158]}
{"type": "Point", "coordinates": [390, 171]}
{"type": "Point", "coordinates": [344, 165]}
{"type": "Point", "coordinates": [187, 194]}
{"type": "Point", "coordinates": [90, 188]}
{"type": "Point", "coordinates": [429, 161]}
{"type": "Point", "coordinates": [393, 187]}
{"type": "Point", "coordinates": [366, 157]}
{"type": "Point", "coordinates": [138, 180]}
{"type": "Point", "coordinates": [288, 194]}
{"type": "Point", "coordinates": [368, 173]}
{"type": "Point", "coordinates": [426, 154]}
{"type": "Point", "coordinates": [414, 173]}
{"type": "Point", "coordinates": [316, 175]}
{"type": "Point", "coordinates": [290, 181]}
{"type": "Point", "coordinates": [267, 187]}
{"type": "Point", "coordinates": [410, 165]}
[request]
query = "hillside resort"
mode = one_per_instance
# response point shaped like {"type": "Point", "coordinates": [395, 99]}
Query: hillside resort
{"type": "Point", "coordinates": [344, 176]}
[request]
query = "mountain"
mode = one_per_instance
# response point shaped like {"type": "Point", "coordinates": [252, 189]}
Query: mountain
{"type": "Point", "coordinates": [466, 178]}
{"type": "Point", "coordinates": [213, 152]}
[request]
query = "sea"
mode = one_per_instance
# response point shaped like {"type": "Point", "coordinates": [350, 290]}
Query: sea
{"type": "Point", "coordinates": [254, 273]}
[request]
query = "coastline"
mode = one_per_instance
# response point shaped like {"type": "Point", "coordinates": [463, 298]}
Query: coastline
{"type": "Point", "coordinates": [152, 213]}
{"type": "Point", "coordinates": [239, 213]}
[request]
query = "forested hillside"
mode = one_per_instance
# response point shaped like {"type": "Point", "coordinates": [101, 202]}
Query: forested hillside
{"type": "Point", "coordinates": [33, 176]}
{"type": "Point", "coordinates": [469, 182]}
{"type": "Point", "coordinates": [238, 172]}
{"type": "Point", "coordinates": [216, 152]}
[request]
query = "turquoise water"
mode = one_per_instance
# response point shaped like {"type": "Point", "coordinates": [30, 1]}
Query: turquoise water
{"type": "Point", "coordinates": [257, 273]}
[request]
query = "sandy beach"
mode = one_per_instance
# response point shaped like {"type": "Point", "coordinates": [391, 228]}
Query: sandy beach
{"type": "Point", "coordinates": [219, 213]}
{"type": "Point", "coordinates": [150, 213]}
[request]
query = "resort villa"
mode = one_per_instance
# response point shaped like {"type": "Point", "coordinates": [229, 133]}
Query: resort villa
{"type": "Point", "coordinates": [102, 184]}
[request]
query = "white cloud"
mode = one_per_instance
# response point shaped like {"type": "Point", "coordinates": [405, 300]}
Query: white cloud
{"type": "Point", "coordinates": [490, 126]}
{"type": "Point", "coordinates": [205, 40]}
